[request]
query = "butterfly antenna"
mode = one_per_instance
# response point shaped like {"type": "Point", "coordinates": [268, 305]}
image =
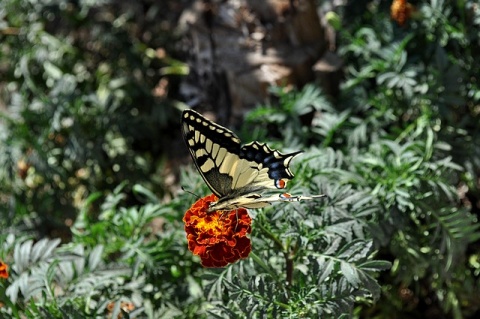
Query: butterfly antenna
{"type": "Point", "coordinates": [191, 193]}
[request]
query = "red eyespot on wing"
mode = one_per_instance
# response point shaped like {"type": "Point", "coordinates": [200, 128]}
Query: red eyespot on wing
{"type": "Point", "coordinates": [280, 183]}
{"type": "Point", "coordinates": [285, 196]}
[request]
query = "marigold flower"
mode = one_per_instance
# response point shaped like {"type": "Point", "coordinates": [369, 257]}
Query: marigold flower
{"type": "Point", "coordinates": [401, 11]}
{"type": "Point", "coordinates": [3, 270]}
{"type": "Point", "coordinates": [218, 237]}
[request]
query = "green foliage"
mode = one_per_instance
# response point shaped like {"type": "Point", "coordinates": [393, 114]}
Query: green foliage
{"type": "Point", "coordinates": [84, 277]}
{"type": "Point", "coordinates": [289, 118]}
{"type": "Point", "coordinates": [407, 125]}
{"type": "Point", "coordinates": [82, 136]}
{"type": "Point", "coordinates": [80, 108]}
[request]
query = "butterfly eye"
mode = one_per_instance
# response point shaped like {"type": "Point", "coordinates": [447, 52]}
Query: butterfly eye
{"type": "Point", "coordinates": [280, 183]}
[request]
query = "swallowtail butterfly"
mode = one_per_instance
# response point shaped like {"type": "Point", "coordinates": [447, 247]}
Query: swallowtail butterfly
{"type": "Point", "coordinates": [236, 174]}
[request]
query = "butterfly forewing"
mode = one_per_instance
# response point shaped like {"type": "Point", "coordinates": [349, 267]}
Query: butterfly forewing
{"type": "Point", "coordinates": [211, 145]}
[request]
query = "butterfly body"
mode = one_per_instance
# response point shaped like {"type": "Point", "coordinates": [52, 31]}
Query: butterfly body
{"type": "Point", "coordinates": [238, 175]}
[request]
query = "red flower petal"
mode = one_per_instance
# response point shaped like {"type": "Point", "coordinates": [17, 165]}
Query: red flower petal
{"type": "Point", "coordinates": [218, 238]}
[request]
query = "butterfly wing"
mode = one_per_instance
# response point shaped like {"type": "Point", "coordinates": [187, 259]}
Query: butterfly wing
{"type": "Point", "coordinates": [229, 169]}
{"type": "Point", "coordinates": [213, 148]}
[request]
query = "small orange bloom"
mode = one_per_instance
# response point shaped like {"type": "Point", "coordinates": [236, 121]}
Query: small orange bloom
{"type": "Point", "coordinates": [3, 270]}
{"type": "Point", "coordinates": [401, 11]}
{"type": "Point", "coordinates": [124, 305]}
{"type": "Point", "coordinates": [218, 237]}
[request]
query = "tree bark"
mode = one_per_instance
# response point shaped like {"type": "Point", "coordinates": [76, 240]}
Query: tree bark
{"type": "Point", "coordinates": [238, 48]}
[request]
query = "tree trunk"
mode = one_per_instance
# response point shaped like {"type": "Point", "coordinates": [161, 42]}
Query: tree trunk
{"type": "Point", "coordinates": [238, 48]}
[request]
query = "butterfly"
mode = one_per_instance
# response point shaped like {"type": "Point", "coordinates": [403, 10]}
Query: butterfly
{"type": "Point", "coordinates": [236, 174]}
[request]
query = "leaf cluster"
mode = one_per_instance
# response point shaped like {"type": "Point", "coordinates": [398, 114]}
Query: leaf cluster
{"type": "Point", "coordinates": [80, 113]}
{"type": "Point", "coordinates": [404, 133]}
{"type": "Point", "coordinates": [134, 255]}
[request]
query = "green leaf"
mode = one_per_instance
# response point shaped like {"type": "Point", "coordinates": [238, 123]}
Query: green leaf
{"type": "Point", "coordinates": [95, 257]}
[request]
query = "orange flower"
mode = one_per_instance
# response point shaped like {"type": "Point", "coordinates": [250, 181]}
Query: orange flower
{"type": "Point", "coordinates": [3, 270]}
{"type": "Point", "coordinates": [218, 237]}
{"type": "Point", "coordinates": [126, 306]}
{"type": "Point", "coordinates": [401, 11]}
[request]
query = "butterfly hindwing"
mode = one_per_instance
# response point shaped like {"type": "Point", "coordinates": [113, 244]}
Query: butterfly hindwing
{"type": "Point", "coordinates": [276, 162]}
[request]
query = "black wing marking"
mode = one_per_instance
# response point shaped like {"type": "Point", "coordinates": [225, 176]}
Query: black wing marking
{"type": "Point", "coordinates": [276, 162]}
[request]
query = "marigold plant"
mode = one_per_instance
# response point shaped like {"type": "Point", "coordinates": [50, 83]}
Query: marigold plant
{"type": "Point", "coordinates": [219, 238]}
